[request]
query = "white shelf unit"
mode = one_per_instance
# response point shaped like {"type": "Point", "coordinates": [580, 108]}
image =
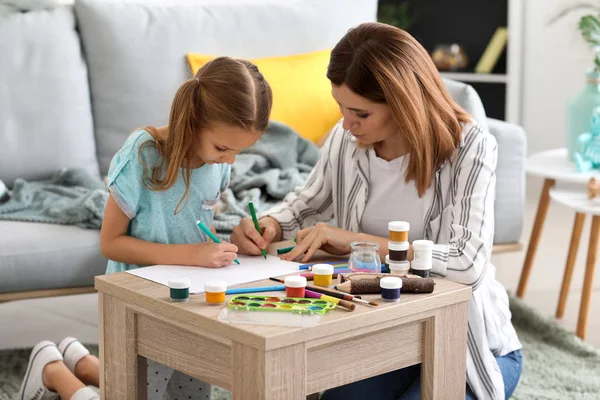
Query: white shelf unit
{"type": "Point", "coordinates": [514, 60]}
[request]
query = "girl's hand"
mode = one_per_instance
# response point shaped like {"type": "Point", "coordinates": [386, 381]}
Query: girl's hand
{"type": "Point", "coordinates": [247, 238]}
{"type": "Point", "coordinates": [213, 255]}
{"type": "Point", "coordinates": [322, 236]}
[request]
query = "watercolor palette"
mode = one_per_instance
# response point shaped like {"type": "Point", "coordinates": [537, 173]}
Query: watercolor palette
{"type": "Point", "coordinates": [281, 304]}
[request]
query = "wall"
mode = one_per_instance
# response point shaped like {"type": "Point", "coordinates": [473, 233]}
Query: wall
{"type": "Point", "coordinates": [555, 61]}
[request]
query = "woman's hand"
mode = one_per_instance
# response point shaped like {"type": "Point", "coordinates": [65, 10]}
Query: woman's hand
{"type": "Point", "coordinates": [322, 236]}
{"type": "Point", "coordinates": [213, 255]}
{"type": "Point", "coordinates": [250, 241]}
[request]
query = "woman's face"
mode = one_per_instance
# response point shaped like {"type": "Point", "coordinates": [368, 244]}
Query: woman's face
{"type": "Point", "coordinates": [368, 122]}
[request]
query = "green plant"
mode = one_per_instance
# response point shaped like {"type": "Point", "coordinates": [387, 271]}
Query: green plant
{"type": "Point", "coordinates": [589, 26]}
{"type": "Point", "coordinates": [396, 14]}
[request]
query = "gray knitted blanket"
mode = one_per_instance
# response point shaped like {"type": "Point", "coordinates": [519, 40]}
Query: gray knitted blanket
{"type": "Point", "coordinates": [70, 197]}
{"type": "Point", "coordinates": [276, 164]}
{"type": "Point", "coordinates": [264, 174]}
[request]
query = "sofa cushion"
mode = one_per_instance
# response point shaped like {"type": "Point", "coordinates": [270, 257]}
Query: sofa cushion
{"type": "Point", "coordinates": [45, 113]}
{"type": "Point", "coordinates": [136, 51]}
{"type": "Point", "coordinates": [466, 96]}
{"type": "Point", "coordinates": [44, 256]}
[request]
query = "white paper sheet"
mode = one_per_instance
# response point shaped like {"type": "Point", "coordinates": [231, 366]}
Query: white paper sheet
{"type": "Point", "coordinates": [250, 269]}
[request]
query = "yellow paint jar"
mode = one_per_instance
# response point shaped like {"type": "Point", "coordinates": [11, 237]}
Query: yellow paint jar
{"type": "Point", "coordinates": [322, 274]}
{"type": "Point", "coordinates": [215, 291]}
{"type": "Point", "coordinates": [398, 231]}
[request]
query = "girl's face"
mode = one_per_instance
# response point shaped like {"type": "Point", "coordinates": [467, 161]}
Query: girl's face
{"type": "Point", "coordinates": [369, 122]}
{"type": "Point", "coordinates": [220, 143]}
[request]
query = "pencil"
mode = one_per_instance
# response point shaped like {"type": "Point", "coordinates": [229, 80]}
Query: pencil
{"type": "Point", "coordinates": [253, 213]}
{"type": "Point", "coordinates": [334, 263]}
{"type": "Point", "coordinates": [211, 235]}
{"type": "Point", "coordinates": [255, 289]}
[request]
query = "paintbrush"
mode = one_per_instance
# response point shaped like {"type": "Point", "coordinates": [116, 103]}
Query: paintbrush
{"type": "Point", "coordinates": [341, 303]}
{"type": "Point", "coordinates": [339, 295]}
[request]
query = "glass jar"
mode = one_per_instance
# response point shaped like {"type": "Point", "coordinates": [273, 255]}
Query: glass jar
{"type": "Point", "coordinates": [364, 257]}
{"type": "Point", "coordinates": [579, 111]}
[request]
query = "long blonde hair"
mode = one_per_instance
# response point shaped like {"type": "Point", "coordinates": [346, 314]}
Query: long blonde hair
{"type": "Point", "coordinates": [225, 90]}
{"type": "Point", "coordinates": [387, 65]}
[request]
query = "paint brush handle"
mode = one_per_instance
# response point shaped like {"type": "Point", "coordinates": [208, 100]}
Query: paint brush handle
{"type": "Point", "coordinates": [342, 303]}
{"type": "Point", "coordinates": [330, 293]}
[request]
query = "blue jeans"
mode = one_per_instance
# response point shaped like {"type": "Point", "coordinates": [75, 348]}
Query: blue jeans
{"type": "Point", "coordinates": [405, 384]}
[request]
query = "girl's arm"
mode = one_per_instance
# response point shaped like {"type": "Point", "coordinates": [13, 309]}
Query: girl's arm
{"type": "Point", "coordinates": [117, 245]}
{"type": "Point", "coordinates": [471, 217]}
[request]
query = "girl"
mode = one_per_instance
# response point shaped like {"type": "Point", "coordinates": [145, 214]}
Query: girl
{"type": "Point", "coordinates": [404, 150]}
{"type": "Point", "coordinates": [165, 179]}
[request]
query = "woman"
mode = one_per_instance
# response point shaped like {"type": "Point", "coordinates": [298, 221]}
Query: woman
{"type": "Point", "coordinates": [404, 150]}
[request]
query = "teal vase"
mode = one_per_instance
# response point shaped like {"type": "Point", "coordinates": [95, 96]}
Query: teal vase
{"type": "Point", "coordinates": [579, 111]}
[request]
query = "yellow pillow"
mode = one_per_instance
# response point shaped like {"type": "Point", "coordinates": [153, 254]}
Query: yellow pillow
{"type": "Point", "coordinates": [301, 91]}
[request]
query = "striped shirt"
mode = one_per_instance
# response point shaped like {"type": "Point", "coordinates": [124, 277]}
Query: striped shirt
{"type": "Point", "coordinates": [459, 219]}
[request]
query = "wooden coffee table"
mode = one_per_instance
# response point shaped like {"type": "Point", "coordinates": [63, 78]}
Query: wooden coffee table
{"type": "Point", "coordinates": [138, 322]}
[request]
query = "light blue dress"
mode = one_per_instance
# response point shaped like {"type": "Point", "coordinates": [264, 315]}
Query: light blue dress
{"type": "Point", "coordinates": [152, 213]}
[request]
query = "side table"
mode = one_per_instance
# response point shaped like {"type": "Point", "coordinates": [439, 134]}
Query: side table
{"type": "Point", "coordinates": [579, 201]}
{"type": "Point", "coordinates": [552, 165]}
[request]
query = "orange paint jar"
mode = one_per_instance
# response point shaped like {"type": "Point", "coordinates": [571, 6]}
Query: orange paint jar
{"type": "Point", "coordinates": [398, 231]}
{"type": "Point", "coordinates": [215, 291]}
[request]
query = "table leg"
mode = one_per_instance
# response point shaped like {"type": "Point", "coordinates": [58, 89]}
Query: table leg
{"type": "Point", "coordinates": [122, 371]}
{"type": "Point", "coordinates": [270, 375]}
{"type": "Point", "coordinates": [540, 218]}
{"type": "Point", "coordinates": [588, 283]}
{"type": "Point", "coordinates": [444, 370]}
{"type": "Point", "coordinates": [570, 266]}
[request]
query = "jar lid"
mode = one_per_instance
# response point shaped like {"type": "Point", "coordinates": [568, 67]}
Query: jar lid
{"type": "Point", "coordinates": [398, 246]}
{"type": "Point", "coordinates": [180, 283]}
{"type": "Point", "coordinates": [322, 269]}
{"type": "Point", "coordinates": [387, 259]}
{"type": "Point", "coordinates": [295, 281]}
{"type": "Point", "coordinates": [420, 265]}
{"type": "Point", "coordinates": [422, 245]}
{"type": "Point", "coordinates": [215, 286]}
{"type": "Point", "coordinates": [399, 264]}
{"type": "Point", "coordinates": [398, 226]}
{"type": "Point", "coordinates": [390, 282]}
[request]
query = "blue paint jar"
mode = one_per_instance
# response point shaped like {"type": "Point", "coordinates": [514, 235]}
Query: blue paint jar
{"type": "Point", "coordinates": [390, 288]}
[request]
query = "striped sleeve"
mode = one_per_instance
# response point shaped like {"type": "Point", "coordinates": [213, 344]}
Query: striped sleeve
{"type": "Point", "coordinates": [466, 256]}
{"type": "Point", "coordinates": [312, 202]}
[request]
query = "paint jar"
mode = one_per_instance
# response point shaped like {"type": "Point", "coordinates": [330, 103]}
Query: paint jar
{"type": "Point", "coordinates": [179, 289]}
{"type": "Point", "coordinates": [364, 257]}
{"type": "Point", "coordinates": [322, 274]}
{"type": "Point", "coordinates": [215, 291]}
{"type": "Point", "coordinates": [422, 250]}
{"type": "Point", "coordinates": [398, 231]}
{"type": "Point", "coordinates": [295, 286]}
{"type": "Point", "coordinates": [390, 288]}
{"type": "Point", "coordinates": [423, 269]}
{"type": "Point", "coordinates": [398, 251]}
{"type": "Point", "coordinates": [399, 267]}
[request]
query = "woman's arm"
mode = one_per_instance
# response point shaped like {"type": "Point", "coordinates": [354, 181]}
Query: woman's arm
{"type": "Point", "coordinates": [312, 202]}
{"type": "Point", "coordinates": [471, 223]}
{"type": "Point", "coordinates": [117, 245]}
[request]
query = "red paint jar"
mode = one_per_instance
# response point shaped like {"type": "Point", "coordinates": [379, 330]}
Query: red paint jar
{"type": "Point", "coordinates": [295, 286]}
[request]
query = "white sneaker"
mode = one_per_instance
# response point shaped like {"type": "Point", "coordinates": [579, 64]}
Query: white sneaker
{"type": "Point", "coordinates": [72, 351]}
{"type": "Point", "coordinates": [33, 387]}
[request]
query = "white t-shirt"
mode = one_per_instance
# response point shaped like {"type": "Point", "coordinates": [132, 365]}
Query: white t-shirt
{"type": "Point", "coordinates": [392, 199]}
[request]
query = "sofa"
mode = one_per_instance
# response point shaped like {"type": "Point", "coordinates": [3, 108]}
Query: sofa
{"type": "Point", "coordinates": [76, 79]}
